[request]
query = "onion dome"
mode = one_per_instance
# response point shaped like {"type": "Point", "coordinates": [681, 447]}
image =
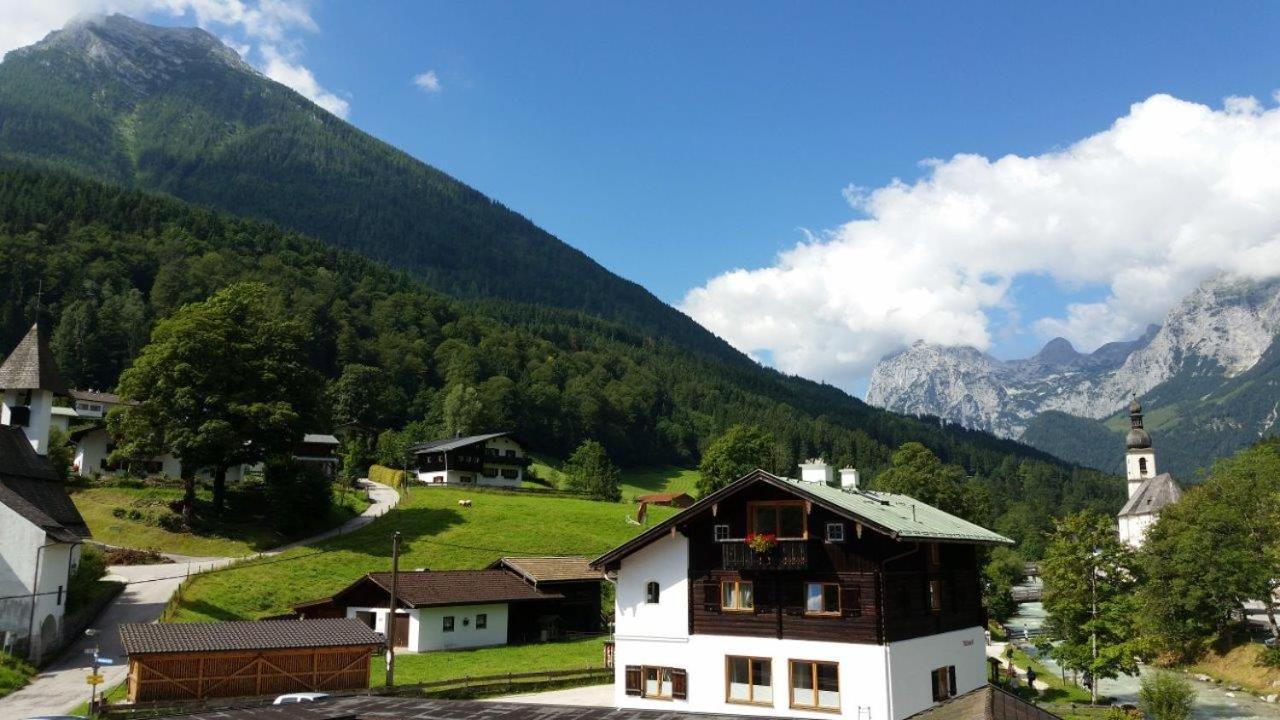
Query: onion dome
{"type": "Point", "coordinates": [1137, 439]}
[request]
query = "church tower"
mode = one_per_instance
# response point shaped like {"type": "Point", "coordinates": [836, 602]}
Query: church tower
{"type": "Point", "coordinates": [29, 380]}
{"type": "Point", "coordinates": [1140, 458]}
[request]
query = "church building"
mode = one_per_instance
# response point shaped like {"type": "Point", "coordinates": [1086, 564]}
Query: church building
{"type": "Point", "coordinates": [1149, 492]}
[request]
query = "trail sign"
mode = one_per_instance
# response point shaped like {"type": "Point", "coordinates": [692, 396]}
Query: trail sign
{"type": "Point", "coordinates": [105, 661]}
{"type": "Point", "coordinates": [94, 679]}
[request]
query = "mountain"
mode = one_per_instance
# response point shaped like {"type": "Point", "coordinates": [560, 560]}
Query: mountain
{"type": "Point", "coordinates": [176, 111]}
{"type": "Point", "coordinates": [1209, 376]}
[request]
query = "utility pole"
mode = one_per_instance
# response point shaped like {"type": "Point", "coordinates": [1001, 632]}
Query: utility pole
{"type": "Point", "coordinates": [1093, 637]}
{"type": "Point", "coordinates": [391, 613]}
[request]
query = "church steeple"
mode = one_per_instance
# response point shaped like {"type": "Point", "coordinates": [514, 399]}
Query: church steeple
{"type": "Point", "coordinates": [30, 379]}
{"type": "Point", "coordinates": [1140, 457]}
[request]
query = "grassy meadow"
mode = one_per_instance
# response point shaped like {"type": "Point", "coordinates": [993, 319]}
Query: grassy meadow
{"type": "Point", "coordinates": [478, 662]}
{"type": "Point", "coordinates": [634, 481]}
{"type": "Point", "coordinates": [436, 533]}
{"type": "Point", "coordinates": [132, 515]}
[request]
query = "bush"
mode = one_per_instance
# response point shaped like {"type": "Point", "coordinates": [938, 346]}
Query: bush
{"type": "Point", "coordinates": [1269, 657]}
{"type": "Point", "coordinates": [1165, 696]}
{"type": "Point", "coordinates": [386, 476]}
{"type": "Point", "coordinates": [298, 496]}
{"type": "Point", "coordinates": [91, 569]}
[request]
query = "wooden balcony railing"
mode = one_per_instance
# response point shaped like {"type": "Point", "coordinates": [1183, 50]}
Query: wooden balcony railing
{"type": "Point", "coordinates": [786, 555]}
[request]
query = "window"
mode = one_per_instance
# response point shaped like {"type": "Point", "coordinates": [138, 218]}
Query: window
{"type": "Point", "coordinates": [448, 623]}
{"type": "Point", "coordinates": [935, 597]}
{"type": "Point", "coordinates": [721, 533]}
{"type": "Point", "coordinates": [815, 685]}
{"type": "Point", "coordinates": [748, 680]}
{"type": "Point", "coordinates": [510, 474]}
{"type": "Point", "coordinates": [785, 520]}
{"type": "Point", "coordinates": [465, 479]}
{"type": "Point", "coordinates": [835, 532]}
{"type": "Point", "coordinates": [438, 480]}
{"type": "Point", "coordinates": [1142, 467]}
{"type": "Point", "coordinates": [491, 472]}
{"type": "Point", "coordinates": [511, 453]}
{"type": "Point", "coordinates": [651, 594]}
{"type": "Point", "coordinates": [657, 683]}
{"type": "Point", "coordinates": [737, 595]}
{"type": "Point", "coordinates": [944, 682]}
{"type": "Point", "coordinates": [821, 599]}
{"type": "Point", "coordinates": [482, 621]}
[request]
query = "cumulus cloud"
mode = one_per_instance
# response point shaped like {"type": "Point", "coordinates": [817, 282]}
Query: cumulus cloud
{"type": "Point", "coordinates": [269, 30]}
{"type": "Point", "coordinates": [1169, 195]}
{"type": "Point", "coordinates": [428, 81]}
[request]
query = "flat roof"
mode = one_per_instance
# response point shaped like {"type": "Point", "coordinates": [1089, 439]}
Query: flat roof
{"type": "Point", "coordinates": [362, 707]}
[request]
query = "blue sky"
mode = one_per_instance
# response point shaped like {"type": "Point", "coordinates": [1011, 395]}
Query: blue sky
{"type": "Point", "coordinates": [675, 142]}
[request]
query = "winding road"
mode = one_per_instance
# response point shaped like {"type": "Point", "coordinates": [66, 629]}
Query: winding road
{"type": "Point", "coordinates": [61, 685]}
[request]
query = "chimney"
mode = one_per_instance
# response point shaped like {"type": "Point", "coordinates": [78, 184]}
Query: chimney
{"type": "Point", "coordinates": [849, 478]}
{"type": "Point", "coordinates": [814, 470]}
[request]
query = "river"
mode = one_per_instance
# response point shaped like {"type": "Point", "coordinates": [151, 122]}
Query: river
{"type": "Point", "coordinates": [1213, 701]}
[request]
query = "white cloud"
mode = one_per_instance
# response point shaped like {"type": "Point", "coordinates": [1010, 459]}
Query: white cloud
{"type": "Point", "coordinates": [428, 81]}
{"type": "Point", "coordinates": [1170, 194]}
{"type": "Point", "coordinates": [268, 26]}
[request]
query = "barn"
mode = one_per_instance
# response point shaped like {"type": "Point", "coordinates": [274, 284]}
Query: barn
{"type": "Point", "coordinates": [195, 661]}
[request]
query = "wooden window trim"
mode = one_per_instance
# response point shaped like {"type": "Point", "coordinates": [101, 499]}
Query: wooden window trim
{"type": "Point", "coordinates": [737, 586]}
{"type": "Point", "coordinates": [813, 678]}
{"type": "Point", "coordinates": [935, 597]}
{"type": "Point", "coordinates": [824, 613]}
{"type": "Point", "coordinates": [751, 688]}
{"type": "Point", "coordinates": [753, 505]}
{"type": "Point", "coordinates": [644, 682]}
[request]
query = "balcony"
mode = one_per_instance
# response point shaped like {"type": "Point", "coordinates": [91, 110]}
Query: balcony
{"type": "Point", "coordinates": [786, 555]}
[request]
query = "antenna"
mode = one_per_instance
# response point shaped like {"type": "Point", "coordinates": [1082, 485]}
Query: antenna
{"type": "Point", "coordinates": [39, 297]}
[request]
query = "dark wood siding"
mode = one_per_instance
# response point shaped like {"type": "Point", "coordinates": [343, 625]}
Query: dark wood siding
{"type": "Point", "coordinates": [885, 585]}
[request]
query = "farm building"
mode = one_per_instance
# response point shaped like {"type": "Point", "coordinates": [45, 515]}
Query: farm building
{"type": "Point", "coordinates": [516, 600]}
{"type": "Point", "coordinates": [670, 499]}
{"type": "Point", "coordinates": [493, 459]}
{"type": "Point", "coordinates": [195, 661]}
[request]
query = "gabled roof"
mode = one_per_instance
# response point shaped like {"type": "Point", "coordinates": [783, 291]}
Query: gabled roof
{"type": "Point", "coordinates": [1152, 495]}
{"type": "Point", "coordinates": [319, 439]}
{"type": "Point", "coordinates": [30, 487]}
{"type": "Point", "coordinates": [30, 366]}
{"type": "Point", "coordinates": [95, 396]}
{"type": "Point", "coordinates": [985, 703]}
{"type": "Point", "coordinates": [552, 569]}
{"type": "Point", "coordinates": [433, 588]}
{"type": "Point", "coordinates": [899, 516]}
{"type": "Point", "coordinates": [662, 497]}
{"type": "Point", "coordinates": [147, 638]}
{"type": "Point", "coordinates": [446, 444]}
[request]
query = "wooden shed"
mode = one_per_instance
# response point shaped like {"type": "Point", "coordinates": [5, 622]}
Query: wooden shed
{"type": "Point", "coordinates": [195, 661]}
{"type": "Point", "coordinates": [670, 499]}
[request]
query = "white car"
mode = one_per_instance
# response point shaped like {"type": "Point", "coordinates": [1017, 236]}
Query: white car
{"type": "Point", "coordinates": [292, 698]}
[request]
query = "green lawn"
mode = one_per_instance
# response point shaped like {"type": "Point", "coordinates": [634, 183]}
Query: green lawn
{"type": "Point", "coordinates": [14, 674]}
{"type": "Point", "coordinates": [129, 516]}
{"type": "Point", "coordinates": [1058, 691]}
{"type": "Point", "coordinates": [635, 481]}
{"type": "Point", "coordinates": [452, 664]}
{"type": "Point", "coordinates": [436, 533]}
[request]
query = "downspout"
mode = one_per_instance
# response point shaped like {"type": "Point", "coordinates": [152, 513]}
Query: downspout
{"type": "Point", "coordinates": [35, 592]}
{"type": "Point", "coordinates": [884, 633]}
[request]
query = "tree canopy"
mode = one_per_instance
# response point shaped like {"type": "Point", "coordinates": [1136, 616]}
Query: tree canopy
{"type": "Point", "coordinates": [589, 470]}
{"type": "Point", "coordinates": [741, 449]}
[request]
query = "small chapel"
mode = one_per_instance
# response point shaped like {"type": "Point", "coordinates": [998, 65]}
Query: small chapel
{"type": "Point", "coordinates": [1149, 491]}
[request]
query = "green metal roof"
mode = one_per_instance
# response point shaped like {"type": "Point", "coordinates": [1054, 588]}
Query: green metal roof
{"type": "Point", "coordinates": [902, 515]}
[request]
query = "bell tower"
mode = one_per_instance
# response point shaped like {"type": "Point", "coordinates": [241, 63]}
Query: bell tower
{"type": "Point", "coordinates": [29, 380]}
{"type": "Point", "coordinates": [1140, 457]}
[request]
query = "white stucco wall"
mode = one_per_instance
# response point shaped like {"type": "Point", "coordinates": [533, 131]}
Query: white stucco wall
{"type": "Point", "coordinates": [380, 623]}
{"type": "Point", "coordinates": [911, 663]}
{"type": "Point", "coordinates": [37, 429]}
{"type": "Point", "coordinates": [665, 561]}
{"type": "Point", "coordinates": [1133, 528]}
{"type": "Point", "coordinates": [1133, 471]}
{"type": "Point", "coordinates": [431, 634]}
{"type": "Point", "coordinates": [19, 549]}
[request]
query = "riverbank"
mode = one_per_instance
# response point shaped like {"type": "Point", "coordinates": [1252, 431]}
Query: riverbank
{"type": "Point", "coordinates": [1239, 668]}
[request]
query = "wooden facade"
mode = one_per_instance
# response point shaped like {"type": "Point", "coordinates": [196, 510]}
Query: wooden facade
{"type": "Point", "coordinates": [888, 590]}
{"type": "Point", "coordinates": [202, 675]}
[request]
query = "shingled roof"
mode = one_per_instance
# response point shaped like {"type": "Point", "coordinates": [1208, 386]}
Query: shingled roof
{"type": "Point", "coordinates": [446, 444]}
{"type": "Point", "coordinates": [30, 487]}
{"type": "Point", "coordinates": [148, 638]}
{"type": "Point", "coordinates": [1152, 495]}
{"type": "Point", "coordinates": [433, 588]}
{"type": "Point", "coordinates": [985, 703]}
{"type": "Point", "coordinates": [30, 366]}
{"type": "Point", "coordinates": [550, 569]}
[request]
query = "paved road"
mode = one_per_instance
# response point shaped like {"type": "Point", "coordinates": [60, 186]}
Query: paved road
{"type": "Point", "coordinates": [587, 695]}
{"type": "Point", "coordinates": [61, 685]}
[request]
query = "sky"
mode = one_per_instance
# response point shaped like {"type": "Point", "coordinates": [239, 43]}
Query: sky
{"type": "Point", "coordinates": [822, 183]}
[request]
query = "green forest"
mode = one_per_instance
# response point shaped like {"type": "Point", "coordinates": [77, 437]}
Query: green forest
{"type": "Point", "coordinates": [99, 265]}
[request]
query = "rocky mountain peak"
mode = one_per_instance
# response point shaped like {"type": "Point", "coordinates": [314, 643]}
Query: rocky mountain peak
{"type": "Point", "coordinates": [1058, 351]}
{"type": "Point", "coordinates": [143, 56]}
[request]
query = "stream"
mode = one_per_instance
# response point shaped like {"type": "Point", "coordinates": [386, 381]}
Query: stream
{"type": "Point", "coordinates": [1213, 701]}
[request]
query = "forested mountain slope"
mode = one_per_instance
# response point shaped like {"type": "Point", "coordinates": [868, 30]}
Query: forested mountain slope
{"type": "Point", "coordinates": [174, 110]}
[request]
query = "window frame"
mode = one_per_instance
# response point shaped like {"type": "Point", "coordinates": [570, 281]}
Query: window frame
{"type": "Point", "coordinates": [936, 589]}
{"type": "Point", "coordinates": [943, 679]}
{"type": "Point", "coordinates": [661, 672]}
{"type": "Point", "coordinates": [756, 505]}
{"type": "Point", "coordinates": [652, 593]}
{"type": "Point", "coordinates": [482, 621]}
{"type": "Point", "coordinates": [447, 623]}
{"type": "Point", "coordinates": [830, 537]}
{"type": "Point", "coordinates": [716, 532]}
{"type": "Point", "coordinates": [737, 585]}
{"type": "Point", "coordinates": [824, 612]}
{"type": "Point", "coordinates": [751, 687]}
{"type": "Point", "coordinates": [813, 677]}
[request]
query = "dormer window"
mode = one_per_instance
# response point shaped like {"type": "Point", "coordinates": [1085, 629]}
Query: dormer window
{"type": "Point", "coordinates": [784, 520]}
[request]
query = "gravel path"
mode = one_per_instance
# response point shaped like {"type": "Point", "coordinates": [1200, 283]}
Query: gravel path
{"type": "Point", "coordinates": [61, 685]}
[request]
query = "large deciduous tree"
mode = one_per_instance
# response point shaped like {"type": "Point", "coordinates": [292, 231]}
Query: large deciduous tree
{"type": "Point", "coordinates": [741, 449]}
{"type": "Point", "coordinates": [590, 470]}
{"type": "Point", "coordinates": [223, 382]}
{"type": "Point", "coordinates": [1233, 519]}
{"type": "Point", "coordinates": [1089, 586]}
{"type": "Point", "coordinates": [917, 472]}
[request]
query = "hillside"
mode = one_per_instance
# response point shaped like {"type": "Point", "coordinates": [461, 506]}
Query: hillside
{"type": "Point", "coordinates": [176, 111]}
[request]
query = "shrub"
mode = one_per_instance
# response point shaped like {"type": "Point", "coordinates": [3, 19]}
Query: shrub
{"type": "Point", "coordinates": [91, 568]}
{"type": "Point", "coordinates": [1165, 696]}
{"type": "Point", "coordinates": [298, 496]}
{"type": "Point", "coordinates": [1269, 657]}
{"type": "Point", "coordinates": [386, 476]}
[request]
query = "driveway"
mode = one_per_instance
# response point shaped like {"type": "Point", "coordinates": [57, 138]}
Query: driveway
{"type": "Point", "coordinates": [61, 686]}
{"type": "Point", "coordinates": [587, 695]}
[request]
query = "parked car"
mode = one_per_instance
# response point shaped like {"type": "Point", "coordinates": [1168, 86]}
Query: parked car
{"type": "Point", "coordinates": [301, 697]}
